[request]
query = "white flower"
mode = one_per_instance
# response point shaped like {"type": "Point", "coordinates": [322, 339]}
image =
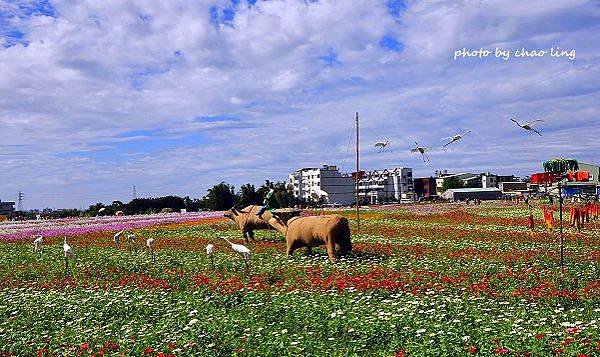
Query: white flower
{"type": "Point", "coordinates": [192, 321]}
{"type": "Point", "coordinates": [421, 330]}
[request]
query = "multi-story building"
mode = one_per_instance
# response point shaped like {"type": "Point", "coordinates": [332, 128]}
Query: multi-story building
{"type": "Point", "coordinates": [324, 184]}
{"type": "Point", "coordinates": [6, 208]}
{"type": "Point", "coordinates": [397, 185]}
{"type": "Point", "coordinates": [470, 180]}
{"type": "Point", "coordinates": [327, 184]}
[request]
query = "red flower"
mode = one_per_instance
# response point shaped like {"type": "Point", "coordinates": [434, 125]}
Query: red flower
{"type": "Point", "coordinates": [558, 351]}
{"type": "Point", "coordinates": [149, 350]}
{"type": "Point", "coordinates": [573, 329]}
{"type": "Point", "coordinates": [401, 353]}
{"type": "Point", "coordinates": [473, 350]}
{"type": "Point", "coordinates": [160, 354]}
{"type": "Point", "coordinates": [582, 355]}
{"type": "Point", "coordinates": [539, 336]}
{"type": "Point", "coordinates": [239, 350]}
{"type": "Point", "coordinates": [85, 345]}
{"type": "Point", "coordinates": [42, 352]}
{"type": "Point", "coordinates": [502, 351]}
{"type": "Point", "coordinates": [172, 345]}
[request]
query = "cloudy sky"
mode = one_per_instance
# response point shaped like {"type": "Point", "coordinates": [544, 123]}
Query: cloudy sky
{"type": "Point", "coordinates": [175, 96]}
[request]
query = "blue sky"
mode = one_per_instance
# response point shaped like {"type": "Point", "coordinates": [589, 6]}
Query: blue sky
{"type": "Point", "coordinates": [175, 97]}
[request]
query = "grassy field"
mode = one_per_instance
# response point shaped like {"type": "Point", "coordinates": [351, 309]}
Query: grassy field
{"type": "Point", "coordinates": [427, 280]}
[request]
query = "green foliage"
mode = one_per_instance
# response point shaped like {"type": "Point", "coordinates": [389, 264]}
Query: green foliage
{"type": "Point", "coordinates": [146, 205]}
{"type": "Point", "coordinates": [220, 197]}
{"type": "Point", "coordinates": [450, 183]}
{"type": "Point", "coordinates": [283, 195]}
{"type": "Point", "coordinates": [560, 165]}
{"type": "Point", "coordinates": [249, 196]}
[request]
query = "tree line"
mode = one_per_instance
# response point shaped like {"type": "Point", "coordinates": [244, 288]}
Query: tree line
{"type": "Point", "coordinates": [218, 198]}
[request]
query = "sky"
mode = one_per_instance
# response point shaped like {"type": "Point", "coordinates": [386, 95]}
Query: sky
{"type": "Point", "coordinates": [176, 96]}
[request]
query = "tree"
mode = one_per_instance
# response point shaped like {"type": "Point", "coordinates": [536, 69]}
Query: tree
{"type": "Point", "coordinates": [94, 209]}
{"type": "Point", "coordinates": [220, 197]}
{"type": "Point", "coordinates": [450, 183]}
{"type": "Point", "coordinates": [283, 193]}
{"type": "Point", "coordinates": [249, 196]}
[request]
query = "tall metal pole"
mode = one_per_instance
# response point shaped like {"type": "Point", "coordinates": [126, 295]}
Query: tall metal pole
{"type": "Point", "coordinates": [560, 215]}
{"type": "Point", "coordinates": [356, 179]}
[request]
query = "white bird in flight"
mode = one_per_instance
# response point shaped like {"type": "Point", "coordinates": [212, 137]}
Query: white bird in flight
{"type": "Point", "coordinates": [528, 126]}
{"type": "Point", "coordinates": [455, 137]}
{"type": "Point", "coordinates": [422, 150]}
{"type": "Point", "coordinates": [382, 145]}
{"type": "Point", "coordinates": [242, 249]}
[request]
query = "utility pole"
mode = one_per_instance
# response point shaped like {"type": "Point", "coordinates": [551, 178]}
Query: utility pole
{"type": "Point", "coordinates": [134, 193]}
{"type": "Point", "coordinates": [560, 214]}
{"type": "Point", "coordinates": [20, 196]}
{"type": "Point", "coordinates": [356, 178]}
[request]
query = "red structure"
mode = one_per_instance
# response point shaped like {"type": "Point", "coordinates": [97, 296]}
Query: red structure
{"type": "Point", "coordinates": [551, 177]}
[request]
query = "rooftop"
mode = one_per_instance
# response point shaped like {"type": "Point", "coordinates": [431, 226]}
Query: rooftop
{"type": "Point", "coordinates": [475, 189]}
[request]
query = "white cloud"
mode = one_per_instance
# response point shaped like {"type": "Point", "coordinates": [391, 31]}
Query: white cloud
{"type": "Point", "coordinates": [287, 76]}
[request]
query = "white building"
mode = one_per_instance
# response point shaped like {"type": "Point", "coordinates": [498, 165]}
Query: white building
{"type": "Point", "coordinates": [387, 185]}
{"type": "Point", "coordinates": [325, 183]}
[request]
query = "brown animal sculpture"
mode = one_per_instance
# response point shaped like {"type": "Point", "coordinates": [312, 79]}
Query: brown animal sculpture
{"type": "Point", "coordinates": [313, 231]}
{"type": "Point", "coordinates": [248, 221]}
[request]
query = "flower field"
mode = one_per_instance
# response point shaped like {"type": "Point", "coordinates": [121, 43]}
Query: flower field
{"type": "Point", "coordinates": [428, 280]}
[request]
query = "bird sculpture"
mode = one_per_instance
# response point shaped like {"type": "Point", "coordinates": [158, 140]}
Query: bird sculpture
{"type": "Point", "coordinates": [131, 240]}
{"type": "Point", "coordinates": [209, 252]}
{"type": "Point", "coordinates": [242, 249]}
{"type": "Point", "coordinates": [37, 244]}
{"type": "Point", "coordinates": [150, 245]}
{"type": "Point", "coordinates": [117, 237]}
{"type": "Point", "coordinates": [528, 126]}
{"type": "Point", "coordinates": [68, 254]}
{"type": "Point", "coordinates": [382, 145]}
{"type": "Point", "coordinates": [455, 137]}
{"type": "Point", "coordinates": [422, 150]}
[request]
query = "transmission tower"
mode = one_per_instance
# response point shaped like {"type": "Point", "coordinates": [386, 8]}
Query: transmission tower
{"type": "Point", "coordinates": [20, 196]}
{"type": "Point", "coordinates": [134, 193]}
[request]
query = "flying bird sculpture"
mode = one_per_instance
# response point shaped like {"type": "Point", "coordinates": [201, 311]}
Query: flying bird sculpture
{"type": "Point", "coordinates": [455, 137]}
{"type": "Point", "coordinates": [382, 145]}
{"type": "Point", "coordinates": [422, 150]}
{"type": "Point", "coordinates": [528, 126]}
